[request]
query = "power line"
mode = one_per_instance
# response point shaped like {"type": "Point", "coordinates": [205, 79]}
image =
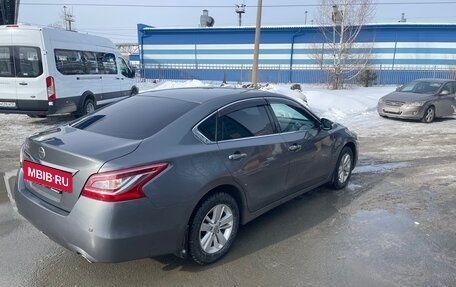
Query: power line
{"type": "Point", "coordinates": [223, 6]}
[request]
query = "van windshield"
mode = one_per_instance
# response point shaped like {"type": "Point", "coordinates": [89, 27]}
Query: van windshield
{"type": "Point", "coordinates": [20, 61]}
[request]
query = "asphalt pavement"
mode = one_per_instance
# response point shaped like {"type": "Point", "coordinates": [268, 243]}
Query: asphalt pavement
{"type": "Point", "coordinates": [394, 225]}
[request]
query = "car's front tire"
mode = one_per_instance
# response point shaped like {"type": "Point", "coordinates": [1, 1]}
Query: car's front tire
{"type": "Point", "coordinates": [429, 115]}
{"type": "Point", "coordinates": [343, 170]}
{"type": "Point", "coordinates": [213, 228]}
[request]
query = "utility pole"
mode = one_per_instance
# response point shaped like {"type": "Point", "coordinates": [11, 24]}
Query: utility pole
{"type": "Point", "coordinates": [305, 18]}
{"type": "Point", "coordinates": [68, 18]}
{"type": "Point", "coordinates": [256, 51]}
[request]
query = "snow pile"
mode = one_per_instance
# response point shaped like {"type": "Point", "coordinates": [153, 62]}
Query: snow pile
{"type": "Point", "coordinates": [147, 87]}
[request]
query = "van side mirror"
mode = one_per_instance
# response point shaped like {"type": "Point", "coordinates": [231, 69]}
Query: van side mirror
{"type": "Point", "coordinates": [132, 73]}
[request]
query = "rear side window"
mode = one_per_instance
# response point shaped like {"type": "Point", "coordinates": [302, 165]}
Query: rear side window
{"type": "Point", "coordinates": [246, 122]}
{"type": "Point", "coordinates": [20, 61]}
{"type": "Point", "coordinates": [74, 62]}
{"type": "Point", "coordinates": [135, 118]}
{"type": "Point", "coordinates": [208, 128]}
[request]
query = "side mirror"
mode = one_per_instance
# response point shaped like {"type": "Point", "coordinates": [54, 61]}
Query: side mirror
{"type": "Point", "coordinates": [326, 124]}
{"type": "Point", "coordinates": [132, 72]}
{"type": "Point", "coordinates": [398, 88]}
{"type": "Point", "coordinates": [444, 92]}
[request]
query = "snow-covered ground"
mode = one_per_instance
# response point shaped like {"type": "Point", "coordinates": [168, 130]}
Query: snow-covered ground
{"type": "Point", "coordinates": [354, 107]}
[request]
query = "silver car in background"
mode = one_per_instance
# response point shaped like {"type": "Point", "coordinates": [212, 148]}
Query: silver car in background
{"type": "Point", "coordinates": [423, 99]}
{"type": "Point", "coordinates": [176, 171]}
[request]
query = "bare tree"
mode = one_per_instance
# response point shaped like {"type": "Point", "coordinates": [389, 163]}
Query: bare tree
{"type": "Point", "coordinates": [341, 22]}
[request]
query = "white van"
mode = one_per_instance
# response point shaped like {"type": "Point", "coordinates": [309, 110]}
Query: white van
{"type": "Point", "coordinates": [45, 71]}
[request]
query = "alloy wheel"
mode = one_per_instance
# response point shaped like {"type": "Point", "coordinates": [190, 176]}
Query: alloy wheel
{"type": "Point", "coordinates": [429, 116]}
{"type": "Point", "coordinates": [216, 228]}
{"type": "Point", "coordinates": [344, 168]}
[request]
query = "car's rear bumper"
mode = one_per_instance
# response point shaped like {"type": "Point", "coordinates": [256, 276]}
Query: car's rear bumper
{"type": "Point", "coordinates": [102, 231]}
{"type": "Point", "coordinates": [39, 107]}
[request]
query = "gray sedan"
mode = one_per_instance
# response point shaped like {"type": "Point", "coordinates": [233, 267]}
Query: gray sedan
{"type": "Point", "coordinates": [423, 99]}
{"type": "Point", "coordinates": [176, 171]}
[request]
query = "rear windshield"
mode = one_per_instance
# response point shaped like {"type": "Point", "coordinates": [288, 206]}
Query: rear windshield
{"type": "Point", "coordinates": [136, 118]}
{"type": "Point", "coordinates": [20, 61]}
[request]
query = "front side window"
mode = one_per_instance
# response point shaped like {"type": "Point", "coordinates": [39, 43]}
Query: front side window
{"type": "Point", "coordinates": [291, 118]}
{"type": "Point", "coordinates": [124, 68]}
{"type": "Point", "coordinates": [243, 123]}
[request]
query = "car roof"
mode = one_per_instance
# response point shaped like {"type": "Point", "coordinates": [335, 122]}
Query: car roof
{"type": "Point", "coordinates": [205, 94]}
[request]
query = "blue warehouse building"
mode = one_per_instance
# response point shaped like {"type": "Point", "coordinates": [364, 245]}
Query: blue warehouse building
{"type": "Point", "coordinates": [396, 52]}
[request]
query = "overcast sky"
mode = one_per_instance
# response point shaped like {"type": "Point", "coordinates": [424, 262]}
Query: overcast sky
{"type": "Point", "coordinates": [119, 22]}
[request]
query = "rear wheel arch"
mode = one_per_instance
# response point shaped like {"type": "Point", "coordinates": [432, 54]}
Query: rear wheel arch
{"type": "Point", "coordinates": [230, 189]}
{"type": "Point", "coordinates": [88, 95]}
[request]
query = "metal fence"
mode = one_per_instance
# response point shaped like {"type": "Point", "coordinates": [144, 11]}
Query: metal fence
{"type": "Point", "coordinates": [283, 74]}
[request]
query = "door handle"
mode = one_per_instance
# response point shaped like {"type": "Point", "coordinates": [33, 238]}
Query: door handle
{"type": "Point", "coordinates": [23, 84]}
{"type": "Point", "coordinates": [295, 147]}
{"type": "Point", "coordinates": [237, 156]}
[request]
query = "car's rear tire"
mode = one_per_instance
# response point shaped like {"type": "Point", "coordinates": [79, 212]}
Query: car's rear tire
{"type": "Point", "coordinates": [343, 170]}
{"type": "Point", "coordinates": [429, 115]}
{"type": "Point", "coordinates": [213, 228]}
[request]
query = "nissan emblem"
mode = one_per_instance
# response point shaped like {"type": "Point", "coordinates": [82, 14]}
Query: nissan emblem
{"type": "Point", "coordinates": [41, 153]}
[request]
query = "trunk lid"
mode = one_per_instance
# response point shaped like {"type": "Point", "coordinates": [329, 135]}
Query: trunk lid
{"type": "Point", "coordinates": [75, 151]}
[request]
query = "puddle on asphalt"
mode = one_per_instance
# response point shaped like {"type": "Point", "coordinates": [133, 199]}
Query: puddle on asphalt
{"type": "Point", "coordinates": [381, 168]}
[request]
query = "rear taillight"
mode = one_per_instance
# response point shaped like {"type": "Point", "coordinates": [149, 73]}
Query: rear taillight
{"type": "Point", "coordinates": [121, 185]}
{"type": "Point", "coordinates": [50, 87]}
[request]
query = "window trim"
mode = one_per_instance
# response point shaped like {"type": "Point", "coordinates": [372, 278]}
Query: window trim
{"type": "Point", "coordinates": [202, 137]}
{"type": "Point", "coordinates": [227, 109]}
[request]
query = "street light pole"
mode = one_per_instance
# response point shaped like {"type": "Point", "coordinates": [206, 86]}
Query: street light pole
{"type": "Point", "coordinates": [256, 51]}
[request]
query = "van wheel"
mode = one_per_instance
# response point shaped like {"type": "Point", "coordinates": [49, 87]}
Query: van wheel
{"type": "Point", "coordinates": [88, 107]}
{"type": "Point", "coordinates": [133, 92]}
{"type": "Point", "coordinates": [213, 228]}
